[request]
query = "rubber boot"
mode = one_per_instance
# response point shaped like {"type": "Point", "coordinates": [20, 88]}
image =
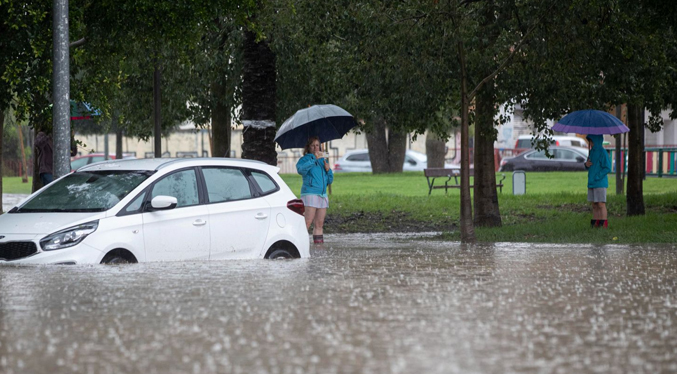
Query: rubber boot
{"type": "Point", "coordinates": [318, 239]}
{"type": "Point", "coordinates": [604, 223]}
{"type": "Point", "coordinates": [593, 223]}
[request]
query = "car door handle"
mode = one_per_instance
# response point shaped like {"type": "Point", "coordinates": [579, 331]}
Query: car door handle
{"type": "Point", "coordinates": [199, 222]}
{"type": "Point", "coordinates": [261, 216]}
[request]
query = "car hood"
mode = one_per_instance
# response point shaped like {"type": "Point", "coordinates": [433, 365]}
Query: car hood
{"type": "Point", "coordinates": [42, 223]}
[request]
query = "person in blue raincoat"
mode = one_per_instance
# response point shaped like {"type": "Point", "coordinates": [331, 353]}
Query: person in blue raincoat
{"type": "Point", "coordinates": [317, 175]}
{"type": "Point", "coordinates": [598, 166]}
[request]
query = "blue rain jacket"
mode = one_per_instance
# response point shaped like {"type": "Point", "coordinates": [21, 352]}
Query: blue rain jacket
{"type": "Point", "coordinates": [315, 178]}
{"type": "Point", "coordinates": [601, 165]}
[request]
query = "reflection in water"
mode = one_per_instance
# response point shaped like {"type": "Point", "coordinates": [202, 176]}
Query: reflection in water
{"type": "Point", "coordinates": [363, 304]}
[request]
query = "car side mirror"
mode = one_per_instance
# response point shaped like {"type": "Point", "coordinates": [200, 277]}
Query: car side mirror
{"type": "Point", "coordinates": [580, 159]}
{"type": "Point", "coordinates": [163, 202]}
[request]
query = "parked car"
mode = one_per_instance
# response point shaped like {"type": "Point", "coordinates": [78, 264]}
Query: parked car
{"type": "Point", "coordinates": [80, 161]}
{"type": "Point", "coordinates": [565, 159]}
{"type": "Point", "coordinates": [524, 141]}
{"type": "Point", "coordinates": [157, 210]}
{"type": "Point", "coordinates": [358, 160]}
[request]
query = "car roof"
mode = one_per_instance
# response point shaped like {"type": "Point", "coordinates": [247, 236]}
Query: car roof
{"type": "Point", "coordinates": [553, 147]}
{"type": "Point", "coordinates": [530, 136]}
{"type": "Point", "coordinates": [176, 163]}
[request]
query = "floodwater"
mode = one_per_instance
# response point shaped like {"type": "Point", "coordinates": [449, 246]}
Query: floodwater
{"type": "Point", "coordinates": [362, 304]}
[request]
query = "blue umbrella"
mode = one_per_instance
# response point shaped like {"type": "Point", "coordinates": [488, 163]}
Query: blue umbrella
{"type": "Point", "coordinates": [589, 121]}
{"type": "Point", "coordinates": [327, 122]}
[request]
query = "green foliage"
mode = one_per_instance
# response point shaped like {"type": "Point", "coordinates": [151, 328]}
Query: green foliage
{"type": "Point", "coordinates": [354, 54]}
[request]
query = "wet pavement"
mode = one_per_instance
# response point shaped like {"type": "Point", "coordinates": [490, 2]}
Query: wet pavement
{"type": "Point", "coordinates": [9, 200]}
{"type": "Point", "coordinates": [363, 304]}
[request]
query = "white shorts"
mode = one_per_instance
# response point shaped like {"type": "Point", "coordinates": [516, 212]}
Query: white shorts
{"type": "Point", "coordinates": [315, 201]}
{"type": "Point", "coordinates": [597, 195]}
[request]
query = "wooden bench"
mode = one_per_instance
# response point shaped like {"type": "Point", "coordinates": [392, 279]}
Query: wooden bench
{"type": "Point", "coordinates": [432, 173]}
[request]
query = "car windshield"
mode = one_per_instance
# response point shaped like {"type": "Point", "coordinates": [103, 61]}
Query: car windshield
{"type": "Point", "coordinates": [92, 191]}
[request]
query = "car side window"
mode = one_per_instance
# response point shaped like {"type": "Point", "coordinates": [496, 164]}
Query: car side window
{"type": "Point", "coordinates": [565, 154]}
{"type": "Point", "coordinates": [226, 184]}
{"type": "Point", "coordinates": [182, 185]}
{"type": "Point", "coordinates": [97, 159]}
{"type": "Point", "coordinates": [135, 206]}
{"type": "Point", "coordinates": [264, 181]}
{"type": "Point", "coordinates": [538, 155]}
{"type": "Point", "coordinates": [358, 157]}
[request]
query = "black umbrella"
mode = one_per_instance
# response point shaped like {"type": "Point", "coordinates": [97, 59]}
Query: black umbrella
{"type": "Point", "coordinates": [327, 122]}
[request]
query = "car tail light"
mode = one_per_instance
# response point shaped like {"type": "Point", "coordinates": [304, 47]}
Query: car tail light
{"type": "Point", "coordinates": [296, 206]}
{"type": "Point", "coordinates": [517, 142]}
{"type": "Point", "coordinates": [556, 142]}
{"type": "Point", "coordinates": [503, 162]}
{"type": "Point", "coordinates": [337, 167]}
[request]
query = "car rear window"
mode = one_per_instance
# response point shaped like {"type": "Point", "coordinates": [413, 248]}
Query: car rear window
{"type": "Point", "coordinates": [265, 182]}
{"type": "Point", "coordinates": [226, 184]}
{"type": "Point", "coordinates": [77, 164]}
{"type": "Point", "coordinates": [92, 191]}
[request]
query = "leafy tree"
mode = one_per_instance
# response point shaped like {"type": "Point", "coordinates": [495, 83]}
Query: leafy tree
{"type": "Point", "coordinates": [359, 56]}
{"type": "Point", "coordinates": [621, 53]}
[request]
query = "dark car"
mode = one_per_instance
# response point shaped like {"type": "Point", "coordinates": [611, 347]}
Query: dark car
{"type": "Point", "coordinates": [564, 159]}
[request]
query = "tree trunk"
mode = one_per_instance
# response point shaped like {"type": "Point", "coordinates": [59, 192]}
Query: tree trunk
{"type": "Point", "coordinates": [37, 183]}
{"type": "Point", "coordinates": [386, 153]}
{"type": "Point", "coordinates": [618, 156]}
{"type": "Point", "coordinates": [635, 193]}
{"type": "Point", "coordinates": [487, 213]}
{"type": "Point", "coordinates": [258, 101]}
{"type": "Point", "coordinates": [220, 122]}
{"type": "Point", "coordinates": [157, 110]}
{"type": "Point", "coordinates": [467, 229]}
{"type": "Point", "coordinates": [378, 147]}
{"type": "Point", "coordinates": [435, 150]}
{"type": "Point", "coordinates": [118, 138]}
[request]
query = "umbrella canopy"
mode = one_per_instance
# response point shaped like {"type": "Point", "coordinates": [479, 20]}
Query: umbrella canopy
{"type": "Point", "coordinates": [594, 122]}
{"type": "Point", "coordinates": [327, 122]}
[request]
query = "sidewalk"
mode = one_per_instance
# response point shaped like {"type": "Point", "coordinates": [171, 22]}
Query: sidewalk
{"type": "Point", "coordinates": [9, 200]}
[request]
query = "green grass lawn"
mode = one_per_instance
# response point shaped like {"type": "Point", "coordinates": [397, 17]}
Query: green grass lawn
{"type": "Point", "coordinates": [14, 185]}
{"type": "Point", "coordinates": [554, 209]}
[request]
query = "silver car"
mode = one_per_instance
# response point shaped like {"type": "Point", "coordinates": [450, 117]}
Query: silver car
{"type": "Point", "coordinates": [358, 161]}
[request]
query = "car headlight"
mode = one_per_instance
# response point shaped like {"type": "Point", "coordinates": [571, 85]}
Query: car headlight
{"type": "Point", "coordinates": [68, 237]}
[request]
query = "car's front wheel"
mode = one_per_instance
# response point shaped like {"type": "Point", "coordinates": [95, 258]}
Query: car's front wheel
{"type": "Point", "coordinates": [118, 257]}
{"type": "Point", "coordinates": [280, 254]}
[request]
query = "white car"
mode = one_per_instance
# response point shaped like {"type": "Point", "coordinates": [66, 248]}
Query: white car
{"type": "Point", "coordinates": [524, 141]}
{"type": "Point", "coordinates": [358, 160]}
{"type": "Point", "coordinates": [140, 210]}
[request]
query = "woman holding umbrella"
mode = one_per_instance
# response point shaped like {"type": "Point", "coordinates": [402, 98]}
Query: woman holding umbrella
{"type": "Point", "coordinates": [317, 175]}
{"type": "Point", "coordinates": [598, 165]}
{"type": "Point", "coordinates": [594, 123]}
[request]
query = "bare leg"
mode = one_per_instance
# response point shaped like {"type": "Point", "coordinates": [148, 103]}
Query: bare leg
{"type": "Point", "coordinates": [309, 215]}
{"type": "Point", "coordinates": [594, 211]}
{"type": "Point", "coordinates": [319, 221]}
{"type": "Point", "coordinates": [602, 211]}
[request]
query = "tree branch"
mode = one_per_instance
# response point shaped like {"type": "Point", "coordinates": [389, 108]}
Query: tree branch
{"type": "Point", "coordinates": [77, 43]}
{"type": "Point", "coordinates": [512, 53]}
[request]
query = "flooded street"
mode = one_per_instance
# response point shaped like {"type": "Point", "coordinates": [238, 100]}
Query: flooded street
{"type": "Point", "coordinates": [363, 304]}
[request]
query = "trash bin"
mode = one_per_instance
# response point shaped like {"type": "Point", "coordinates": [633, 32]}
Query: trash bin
{"type": "Point", "coordinates": [519, 182]}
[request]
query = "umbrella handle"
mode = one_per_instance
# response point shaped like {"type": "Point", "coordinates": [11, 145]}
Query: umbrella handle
{"type": "Point", "coordinates": [324, 149]}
